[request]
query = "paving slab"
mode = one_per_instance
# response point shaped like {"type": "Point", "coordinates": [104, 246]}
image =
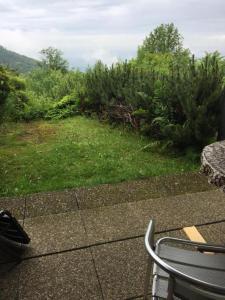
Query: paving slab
{"type": "Point", "coordinates": [9, 279]}
{"type": "Point", "coordinates": [121, 267]}
{"type": "Point", "coordinates": [53, 233]}
{"type": "Point", "coordinates": [206, 207]}
{"type": "Point", "coordinates": [130, 219]}
{"type": "Point", "coordinates": [50, 203]}
{"type": "Point", "coordinates": [214, 233]}
{"type": "Point", "coordinates": [66, 276]}
{"type": "Point", "coordinates": [155, 187]}
{"type": "Point", "coordinates": [15, 205]}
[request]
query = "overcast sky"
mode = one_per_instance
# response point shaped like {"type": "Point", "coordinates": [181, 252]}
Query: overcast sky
{"type": "Point", "coordinates": [87, 30]}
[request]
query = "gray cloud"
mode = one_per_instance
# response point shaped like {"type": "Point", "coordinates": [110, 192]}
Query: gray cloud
{"type": "Point", "coordinates": [109, 30]}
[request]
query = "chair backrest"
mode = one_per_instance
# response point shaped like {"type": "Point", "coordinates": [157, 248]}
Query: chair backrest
{"type": "Point", "coordinates": [181, 285]}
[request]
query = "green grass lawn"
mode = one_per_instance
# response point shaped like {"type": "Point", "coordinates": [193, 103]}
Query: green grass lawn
{"type": "Point", "coordinates": [45, 156]}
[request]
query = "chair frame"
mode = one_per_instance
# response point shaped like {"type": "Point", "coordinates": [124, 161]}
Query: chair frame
{"type": "Point", "coordinates": [174, 273]}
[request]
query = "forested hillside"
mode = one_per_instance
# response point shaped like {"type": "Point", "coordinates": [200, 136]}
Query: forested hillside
{"type": "Point", "coordinates": [16, 61]}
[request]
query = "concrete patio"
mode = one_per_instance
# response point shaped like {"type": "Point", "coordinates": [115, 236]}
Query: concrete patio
{"type": "Point", "coordinates": [88, 243]}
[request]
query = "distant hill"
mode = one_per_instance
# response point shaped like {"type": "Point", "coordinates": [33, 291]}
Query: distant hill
{"type": "Point", "coordinates": [16, 61]}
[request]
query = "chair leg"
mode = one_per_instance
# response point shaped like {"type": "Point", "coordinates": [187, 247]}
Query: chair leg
{"type": "Point", "coordinates": [147, 277]}
{"type": "Point", "coordinates": [170, 289]}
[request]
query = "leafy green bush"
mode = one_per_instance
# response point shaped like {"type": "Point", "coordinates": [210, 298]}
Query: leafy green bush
{"type": "Point", "coordinates": [53, 84]}
{"type": "Point", "coordinates": [4, 88]}
{"type": "Point", "coordinates": [36, 107]}
{"type": "Point", "coordinates": [14, 106]}
{"type": "Point", "coordinates": [46, 88]}
{"type": "Point", "coordinates": [16, 97]}
{"type": "Point", "coordinates": [66, 107]}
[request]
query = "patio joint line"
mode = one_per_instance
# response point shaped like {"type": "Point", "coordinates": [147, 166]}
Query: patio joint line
{"type": "Point", "coordinates": [96, 272]}
{"type": "Point", "coordinates": [137, 297]}
{"type": "Point", "coordinates": [196, 225]}
{"type": "Point", "coordinates": [82, 247]}
{"type": "Point", "coordinates": [76, 196]}
{"type": "Point", "coordinates": [18, 285]}
{"type": "Point", "coordinates": [210, 223]}
{"type": "Point", "coordinates": [92, 256]}
{"type": "Point", "coordinates": [114, 241]}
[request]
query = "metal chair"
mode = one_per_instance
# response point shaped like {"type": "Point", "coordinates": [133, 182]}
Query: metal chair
{"type": "Point", "coordinates": [180, 273]}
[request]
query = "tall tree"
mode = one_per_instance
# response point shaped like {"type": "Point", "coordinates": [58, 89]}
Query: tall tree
{"type": "Point", "coordinates": [163, 39]}
{"type": "Point", "coordinates": [52, 59]}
